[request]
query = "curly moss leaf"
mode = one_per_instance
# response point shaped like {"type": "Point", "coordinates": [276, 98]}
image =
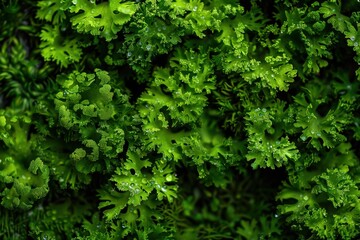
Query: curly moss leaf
{"type": "Point", "coordinates": [23, 191]}
{"type": "Point", "coordinates": [104, 19]}
{"type": "Point", "coordinates": [332, 11]}
{"type": "Point", "coordinates": [58, 48]}
{"type": "Point", "coordinates": [267, 145]}
{"type": "Point", "coordinates": [52, 10]}
{"type": "Point", "coordinates": [117, 201]}
{"type": "Point", "coordinates": [326, 127]}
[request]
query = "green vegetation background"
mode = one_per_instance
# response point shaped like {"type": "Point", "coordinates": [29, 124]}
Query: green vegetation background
{"type": "Point", "coordinates": [179, 119]}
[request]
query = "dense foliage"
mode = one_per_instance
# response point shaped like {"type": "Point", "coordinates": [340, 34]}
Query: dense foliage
{"type": "Point", "coordinates": [179, 119]}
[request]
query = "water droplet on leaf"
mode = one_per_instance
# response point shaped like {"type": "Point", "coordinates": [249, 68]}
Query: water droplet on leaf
{"type": "Point", "coordinates": [169, 178]}
{"type": "Point", "coordinates": [303, 137]}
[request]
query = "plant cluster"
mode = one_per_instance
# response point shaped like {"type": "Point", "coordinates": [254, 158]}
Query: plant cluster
{"type": "Point", "coordinates": [179, 119]}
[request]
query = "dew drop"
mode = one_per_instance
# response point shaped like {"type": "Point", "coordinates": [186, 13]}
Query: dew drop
{"type": "Point", "coordinates": [74, 2]}
{"type": "Point", "coordinates": [169, 178]}
{"type": "Point", "coordinates": [195, 8]}
{"type": "Point", "coordinates": [148, 47]}
{"type": "Point", "coordinates": [306, 198]}
{"type": "Point", "coordinates": [303, 137]}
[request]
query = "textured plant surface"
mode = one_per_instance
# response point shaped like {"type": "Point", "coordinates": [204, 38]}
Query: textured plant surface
{"type": "Point", "coordinates": [179, 119]}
